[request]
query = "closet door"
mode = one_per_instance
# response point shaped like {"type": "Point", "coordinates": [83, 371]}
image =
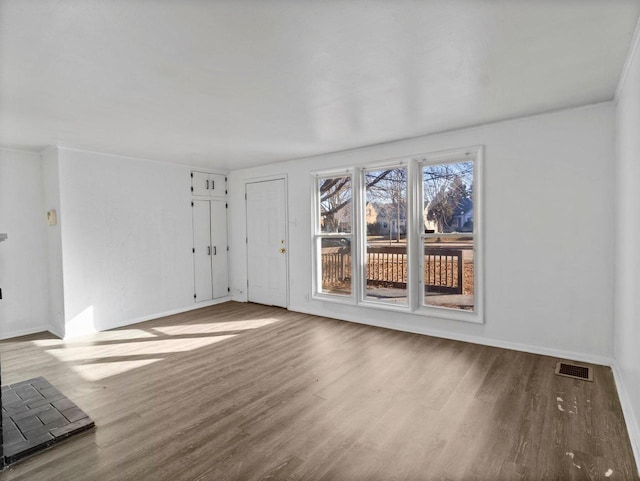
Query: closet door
{"type": "Point", "coordinates": [204, 184]}
{"type": "Point", "coordinates": [217, 185]}
{"type": "Point", "coordinates": [219, 259]}
{"type": "Point", "coordinates": [200, 183]}
{"type": "Point", "coordinates": [203, 287]}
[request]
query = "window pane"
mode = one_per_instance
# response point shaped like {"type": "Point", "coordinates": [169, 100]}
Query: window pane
{"type": "Point", "coordinates": [335, 265]}
{"type": "Point", "coordinates": [386, 218]}
{"type": "Point", "coordinates": [335, 204]}
{"type": "Point", "coordinates": [448, 197]}
{"type": "Point", "coordinates": [448, 272]}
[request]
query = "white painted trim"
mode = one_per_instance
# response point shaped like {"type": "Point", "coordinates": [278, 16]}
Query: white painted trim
{"type": "Point", "coordinates": [196, 168]}
{"type": "Point", "coordinates": [265, 178]}
{"type": "Point", "coordinates": [413, 165]}
{"type": "Point", "coordinates": [53, 330]}
{"type": "Point", "coordinates": [137, 320]}
{"type": "Point", "coordinates": [48, 149]}
{"type": "Point", "coordinates": [475, 154]}
{"type": "Point", "coordinates": [631, 54]}
{"type": "Point", "coordinates": [317, 235]}
{"type": "Point", "coordinates": [484, 341]}
{"type": "Point", "coordinates": [19, 151]}
{"type": "Point", "coordinates": [24, 332]}
{"type": "Point", "coordinates": [630, 417]}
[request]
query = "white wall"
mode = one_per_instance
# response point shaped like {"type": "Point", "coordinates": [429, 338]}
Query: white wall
{"type": "Point", "coordinates": [126, 239]}
{"type": "Point", "coordinates": [548, 232]}
{"type": "Point", "coordinates": [24, 308]}
{"type": "Point", "coordinates": [627, 237]}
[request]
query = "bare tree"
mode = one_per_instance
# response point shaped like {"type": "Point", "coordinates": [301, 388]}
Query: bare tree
{"type": "Point", "coordinates": [445, 185]}
{"type": "Point", "coordinates": [389, 187]}
{"type": "Point", "coordinates": [335, 199]}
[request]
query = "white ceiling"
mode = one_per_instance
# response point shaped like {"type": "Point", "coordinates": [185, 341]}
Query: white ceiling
{"type": "Point", "coordinates": [231, 84]}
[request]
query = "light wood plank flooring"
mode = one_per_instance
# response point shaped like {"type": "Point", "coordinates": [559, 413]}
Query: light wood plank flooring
{"type": "Point", "coordinates": [247, 392]}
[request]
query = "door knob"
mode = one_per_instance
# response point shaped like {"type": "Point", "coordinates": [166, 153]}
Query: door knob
{"type": "Point", "coordinates": [283, 250]}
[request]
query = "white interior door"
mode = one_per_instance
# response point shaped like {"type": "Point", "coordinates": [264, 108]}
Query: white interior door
{"type": "Point", "coordinates": [266, 243]}
{"type": "Point", "coordinates": [202, 250]}
{"type": "Point", "coordinates": [219, 259]}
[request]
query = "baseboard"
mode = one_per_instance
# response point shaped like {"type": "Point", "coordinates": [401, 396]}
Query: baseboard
{"type": "Point", "coordinates": [180, 310]}
{"type": "Point", "coordinates": [24, 332]}
{"type": "Point", "coordinates": [485, 341]}
{"type": "Point", "coordinates": [630, 417]}
{"type": "Point", "coordinates": [55, 332]}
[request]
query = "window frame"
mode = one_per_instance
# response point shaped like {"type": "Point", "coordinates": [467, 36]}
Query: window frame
{"type": "Point", "coordinates": [415, 234]}
{"type": "Point", "coordinates": [475, 155]}
{"type": "Point", "coordinates": [362, 239]}
{"type": "Point", "coordinates": [318, 235]}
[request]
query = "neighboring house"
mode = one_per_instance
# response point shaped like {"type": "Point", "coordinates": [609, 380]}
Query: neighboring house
{"type": "Point", "coordinates": [462, 214]}
{"type": "Point", "coordinates": [371, 216]}
{"type": "Point", "coordinates": [389, 220]}
{"type": "Point", "coordinates": [460, 221]}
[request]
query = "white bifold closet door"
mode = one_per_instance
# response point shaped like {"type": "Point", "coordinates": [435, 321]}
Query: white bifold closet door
{"type": "Point", "coordinates": [210, 261]}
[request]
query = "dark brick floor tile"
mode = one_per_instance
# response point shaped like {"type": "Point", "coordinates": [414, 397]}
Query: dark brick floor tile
{"type": "Point", "coordinates": [10, 397]}
{"type": "Point", "coordinates": [28, 423]}
{"type": "Point", "coordinates": [43, 402]}
{"type": "Point", "coordinates": [49, 392]}
{"type": "Point", "coordinates": [74, 414]}
{"type": "Point", "coordinates": [50, 415]}
{"type": "Point", "coordinates": [71, 428]}
{"type": "Point", "coordinates": [45, 439]}
{"type": "Point", "coordinates": [39, 382]}
{"type": "Point", "coordinates": [36, 416]}
{"type": "Point", "coordinates": [22, 383]}
{"type": "Point", "coordinates": [30, 412]}
{"type": "Point", "coordinates": [29, 393]}
{"type": "Point", "coordinates": [12, 436]}
{"type": "Point", "coordinates": [45, 428]}
{"type": "Point", "coordinates": [15, 409]}
{"type": "Point", "coordinates": [63, 404]}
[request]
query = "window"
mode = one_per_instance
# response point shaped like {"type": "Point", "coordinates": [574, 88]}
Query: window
{"type": "Point", "coordinates": [333, 237]}
{"type": "Point", "coordinates": [448, 235]}
{"type": "Point", "coordinates": [403, 236]}
{"type": "Point", "coordinates": [385, 263]}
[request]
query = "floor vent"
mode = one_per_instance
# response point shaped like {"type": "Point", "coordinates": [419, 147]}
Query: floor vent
{"type": "Point", "coordinates": [574, 371]}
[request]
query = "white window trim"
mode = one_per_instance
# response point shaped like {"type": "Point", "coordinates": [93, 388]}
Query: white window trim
{"type": "Point", "coordinates": [362, 235]}
{"type": "Point", "coordinates": [474, 153]}
{"type": "Point", "coordinates": [317, 236]}
{"type": "Point", "coordinates": [415, 236]}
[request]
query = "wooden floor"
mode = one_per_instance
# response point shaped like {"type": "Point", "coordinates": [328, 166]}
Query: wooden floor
{"type": "Point", "coordinates": [247, 392]}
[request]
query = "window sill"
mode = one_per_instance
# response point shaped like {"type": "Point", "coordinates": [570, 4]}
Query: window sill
{"type": "Point", "coordinates": [335, 298]}
{"type": "Point", "coordinates": [449, 314]}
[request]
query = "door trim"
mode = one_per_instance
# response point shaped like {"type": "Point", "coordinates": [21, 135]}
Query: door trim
{"type": "Point", "coordinates": [256, 180]}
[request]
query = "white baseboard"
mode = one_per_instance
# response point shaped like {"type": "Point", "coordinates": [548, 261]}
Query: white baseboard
{"type": "Point", "coordinates": [485, 341]}
{"type": "Point", "coordinates": [127, 322]}
{"type": "Point", "coordinates": [55, 332]}
{"type": "Point", "coordinates": [24, 332]}
{"type": "Point", "coordinates": [630, 416]}
{"type": "Point", "coordinates": [180, 310]}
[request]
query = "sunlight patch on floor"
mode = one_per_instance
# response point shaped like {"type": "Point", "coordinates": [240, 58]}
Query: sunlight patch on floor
{"type": "Point", "coordinates": [102, 353]}
{"type": "Point", "coordinates": [109, 353]}
{"type": "Point", "coordinates": [119, 335]}
{"type": "Point", "coordinates": [97, 372]}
